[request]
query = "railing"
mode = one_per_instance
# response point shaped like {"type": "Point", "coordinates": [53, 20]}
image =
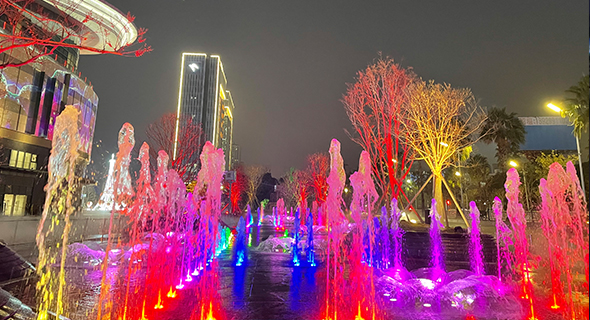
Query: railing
{"type": "Point", "coordinates": [19, 233]}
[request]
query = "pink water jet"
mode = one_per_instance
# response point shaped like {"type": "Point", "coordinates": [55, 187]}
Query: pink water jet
{"type": "Point", "coordinates": [565, 227]}
{"type": "Point", "coordinates": [475, 247]}
{"type": "Point", "coordinates": [505, 259]}
{"type": "Point", "coordinates": [517, 217]}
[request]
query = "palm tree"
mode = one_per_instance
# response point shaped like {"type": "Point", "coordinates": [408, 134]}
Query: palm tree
{"type": "Point", "coordinates": [576, 107]}
{"type": "Point", "coordinates": [506, 130]}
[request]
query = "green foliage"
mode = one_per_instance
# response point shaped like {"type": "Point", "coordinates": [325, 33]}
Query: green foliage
{"type": "Point", "coordinates": [264, 202]}
{"type": "Point", "coordinates": [545, 160]}
{"type": "Point", "coordinates": [576, 106]}
{"type": "Point", "coordinates": [474, 181]}
{"type": "Point", "coordinates": [506, 130]}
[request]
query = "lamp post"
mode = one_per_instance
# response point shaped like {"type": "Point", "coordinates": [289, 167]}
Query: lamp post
{"type": "Point", "coordinates": [558, 109]}
{"type": "Point", "coordinates": [514, 164]}
{"type": "Point", "coordinates": [458, 174]}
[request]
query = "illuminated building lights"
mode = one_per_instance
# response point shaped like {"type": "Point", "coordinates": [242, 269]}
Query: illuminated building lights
{"type": "Point", "coordinates": [215, 111]}
{"type": "Point", "coordinates": [108, 17]}
{"type": "Point", "coordinates": [194, 67]}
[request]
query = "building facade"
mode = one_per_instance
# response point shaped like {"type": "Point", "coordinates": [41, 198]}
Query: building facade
{"type": "Point", "coordinates": [31, 97]}
{"type": "Point", "coordinates": [203, 98]}
{"type": "Point", "coordinates": [548, 133]}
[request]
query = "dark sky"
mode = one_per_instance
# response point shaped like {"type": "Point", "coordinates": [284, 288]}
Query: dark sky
{"type": "Point", "coordinates": [288, 62]}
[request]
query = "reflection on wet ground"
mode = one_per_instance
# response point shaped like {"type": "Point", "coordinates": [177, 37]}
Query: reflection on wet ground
{"type": "Point", "coordinates": [268, 287]}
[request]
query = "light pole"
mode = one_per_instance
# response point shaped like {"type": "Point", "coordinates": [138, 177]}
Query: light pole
{"type": "Point", "coordinates": [458, 174]}
{"type": "Point", "coordinates": [558, 109]}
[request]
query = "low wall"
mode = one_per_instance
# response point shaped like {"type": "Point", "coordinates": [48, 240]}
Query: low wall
{"type": "Point", "coordinates": [19, 233]}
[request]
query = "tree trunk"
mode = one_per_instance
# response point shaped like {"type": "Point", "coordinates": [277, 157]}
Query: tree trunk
{"type": "Point", "coordinates": [438, 196]}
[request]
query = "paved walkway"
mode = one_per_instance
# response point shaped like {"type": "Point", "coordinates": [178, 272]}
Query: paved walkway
{"type": "Point", "coordinates": [269, 287]}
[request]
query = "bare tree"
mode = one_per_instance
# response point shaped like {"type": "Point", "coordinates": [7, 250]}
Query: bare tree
{"type": "Point", "coordinates": [294, 187]}
{"type": "Point", "coordinates": [36, 29]}
{"type": "Point", "coordinates": [160, 135]}
{"type": "Point", "coordinates": [376, 104]}
{"type": "Point", "coordinates": [318, 166]}
{"type": "Point", "coordinates": [254, 179]}
{"type": "Point", "coordinates": [440, 122]}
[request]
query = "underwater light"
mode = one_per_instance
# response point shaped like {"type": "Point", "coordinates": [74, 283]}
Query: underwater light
{"type": "Point", "coordinates": [427, 305]}
{"type": "Point", "coordinates": [171, 293]}
{"type": "Point", "coordinates": [427, 283]}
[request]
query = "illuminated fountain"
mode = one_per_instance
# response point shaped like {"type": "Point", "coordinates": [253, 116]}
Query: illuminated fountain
{"type": "Point", "coordinates": [165, 255]}
{"type": "Point", "coordinates": [335, 224]}
{"type": "Point", "coordinates": [505, 260]}
{"type": "Point", "coordinates": [297, 237]}
{"type": "Point", "coordinates": [249, 216]}
{"type": "Point", "coordinates": [397, 234]}
{"type": "Point", "coordinates": [565, 227]}
{"type": "Point", "coordinates": [475, 247]}
{"type": "Point", "coordinates": [61, 186]}
{"type": "Point", "coordinates": [309, 250]}
{"type": "Point", "coordinates": [279, 215]}
{"type": "Point", "coordinates": [517, 216]}
{"type": "Point", "coordinates": [436, 250]}
{"type": "Point", "coordinates": [240, 248]}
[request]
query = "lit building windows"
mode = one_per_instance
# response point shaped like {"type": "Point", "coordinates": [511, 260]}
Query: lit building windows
{"type": "Point", "coordinates": [23, 160]}
{"type": "Point", "coordinates": [19, 160]}
{"type": "Point", "coordinates": [14, 205]}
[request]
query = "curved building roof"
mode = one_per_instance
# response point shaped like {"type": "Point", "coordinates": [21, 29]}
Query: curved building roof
{"type": "Point", "coordinates": [107, 29]}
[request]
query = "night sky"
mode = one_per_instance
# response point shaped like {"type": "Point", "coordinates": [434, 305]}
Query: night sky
{"type": "Point", "coordinates": [288, 62]}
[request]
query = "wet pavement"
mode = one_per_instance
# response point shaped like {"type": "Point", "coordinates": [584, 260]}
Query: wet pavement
{"type": "Point", "coordinates": [269, 287]}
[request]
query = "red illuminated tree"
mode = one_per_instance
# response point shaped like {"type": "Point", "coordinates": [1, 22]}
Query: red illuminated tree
{"type": "Point", "coordinates": [318, 166]}
{"type": "Point", "coordinates": [376, 104]}
{"type": "Point", "coordinates": [160, 136]}
{"type": "Point", "coordinates": [34, 29]}
{"type": "Point", "coordinates": [238, 188]}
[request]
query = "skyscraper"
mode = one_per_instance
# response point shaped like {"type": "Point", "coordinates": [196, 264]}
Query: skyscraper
{"type": "Point", "coordinates": [204, 99]}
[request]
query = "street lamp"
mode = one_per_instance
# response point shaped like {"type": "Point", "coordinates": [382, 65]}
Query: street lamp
{"type": "Point", "coordinates": [559, 110]}
{"type": "Point", "coordinates": [458, 174]}
{"type": "Point", "coordinates": [514, 164]}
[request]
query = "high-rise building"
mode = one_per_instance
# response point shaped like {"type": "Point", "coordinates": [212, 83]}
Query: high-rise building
{"type": "Point", "coordinates": [203, 98]}
{"type": "Point", "coordinates": [34, 92]}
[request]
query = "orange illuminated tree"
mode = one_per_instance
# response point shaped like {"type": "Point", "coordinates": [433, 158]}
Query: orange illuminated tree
{"type": "Point", "coordinates": [376, 105]}
{"type": "Point", "coordinates": [318, 166]}
{"type": "Point", "coordinates": [160, 135]}
{"type": "Point", "coordinates": [440, 122]}
{"type": "Point", "coordinates": [34, 29]}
